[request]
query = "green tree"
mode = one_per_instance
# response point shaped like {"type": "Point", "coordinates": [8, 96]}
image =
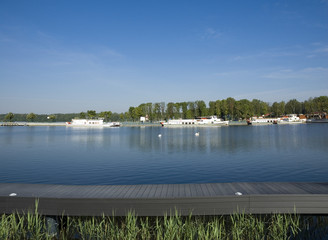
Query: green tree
{"type": "Point", "coordinates": [148, 111]}
{"type": "Point", "coordinates": [264, 108]}
{"type": "Point", "coordinates": [293, 106]}
{"type": "Point", "coordinates": [105, 115]}
{"type": "Point", "coordinates": [212, 108]}
{"type": "Point", "coordinates": [231, 107]}
{"type": "Point", "coordinates": [218, 108]}
{"type": "Point", "coordinates": [177, 112]}
{"type": "Point", "coordinates": [131, 113]}
{"type": "Point", "coordinates": [184, 109]}
{"type": "Point", "coordinates": [243, 109]}
{"type": "Point", "coordinates": [157, 111]}
{"type": "Point", "coordinates": [191, 112]}
{"type": "Point", "coordinates": [309, 106]}
{"type": "Point", "coordinates": [30, 117]}
{"type": "Point", "coordinates": [321, 104]}
{"type": "Point", "coordinates": [224, 109]}
{"type": "Point", "coordinates": [82, 115]}
{"type": "Point", "coordinates": [137, 112]}
{"type": "Point", "coordinates": [122, 117]}
{"type": "Point", "coordinates": [170, 110]}
{"type": "Point", "coordinates": [259, 107]}
{"type": "Point", "coordinates": [91, 113]}
{"type": "Point", "coordinates": [52, 117]}
{"type": "Point", "coordinates": [9, 117]}
{"type": "Point", "coordinates": [282, 109]}
{"type": "Point", "coordinates": [201, 109]}
{"type": "Point", "coordinates": [278, 109]}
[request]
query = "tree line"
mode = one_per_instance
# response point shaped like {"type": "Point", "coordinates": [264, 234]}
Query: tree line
{"type": "Point", "coordinates": [58, 117]}
{"type": "Point", "coordinates": [227, 109]}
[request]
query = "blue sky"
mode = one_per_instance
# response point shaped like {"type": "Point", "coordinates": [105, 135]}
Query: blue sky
{"type": "Point", "coordinates": [73, 56]}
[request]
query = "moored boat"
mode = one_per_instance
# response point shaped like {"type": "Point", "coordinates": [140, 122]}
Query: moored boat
{"type": "Point", "coordinates": [263, 121]}
{"type": "Point", "coordinates": [288, 119]}
{"type": "Point", "coordinates": [291, 118]}
{"type": "Point", "coordinates": [317, 118]}
{"type": "Point", "coordinates": [112, 124]}
{"type": "Point", "coordinates": [212, 120]}
{"type": "Point", "coordinates": [91, 123]}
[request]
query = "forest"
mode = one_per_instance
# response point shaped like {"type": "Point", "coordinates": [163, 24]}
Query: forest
{"type": "Point", "coordinates": [227, 109]}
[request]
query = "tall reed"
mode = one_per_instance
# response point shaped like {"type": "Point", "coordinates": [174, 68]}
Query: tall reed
{"type": "Point", "coordinates": [32, 225]}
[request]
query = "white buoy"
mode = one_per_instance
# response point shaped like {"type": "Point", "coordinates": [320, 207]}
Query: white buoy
{"type": "Point", "coordinates": [159, 135]}
{"type": "Point", "coordinates": [12, 194]}
{"type": "Point", "coordinates": [197, 134]}
{"type": "Point", "coordinates": [238, 193]}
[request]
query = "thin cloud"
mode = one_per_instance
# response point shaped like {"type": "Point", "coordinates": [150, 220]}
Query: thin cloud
{"type": "Point", "coordinates": [111, 53]}
{"type": "Point", "coordinates": [315, 70]}
{"type": "Point", "coordinates": [211, 33]}
{"type": "Point", "coordinates": [321, 50]}
{"type": "Point", "coordinates": [271, 53]}
{"type": "Point", "coordinates": [305, 73]}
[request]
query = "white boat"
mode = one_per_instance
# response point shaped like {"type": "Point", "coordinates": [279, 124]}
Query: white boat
{"type": "Point", "coordinates": [213, 120]}
{"type": "Point", "coordinates": [91, 123]}
{"type": "Point", "coordinates": [291, 118]}
{"type": "Point", "coordinates": [261, 120]}
{"type": "Point", "coordinates": [179, 122]}
{"type": "Point", "coordinates": [112, 124]}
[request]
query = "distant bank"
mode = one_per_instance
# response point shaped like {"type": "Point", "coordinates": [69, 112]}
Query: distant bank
{"type": "Point", "coordinates": [123, 124]}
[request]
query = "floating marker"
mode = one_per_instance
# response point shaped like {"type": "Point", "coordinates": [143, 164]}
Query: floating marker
{"type": "Point", "coordinates": [12, 194]}
{"type": "Point", "coordinates": [238, 193]}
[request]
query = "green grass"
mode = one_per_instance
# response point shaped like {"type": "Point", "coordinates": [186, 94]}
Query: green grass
{"type": "Point", "coordinates": [32, 225]}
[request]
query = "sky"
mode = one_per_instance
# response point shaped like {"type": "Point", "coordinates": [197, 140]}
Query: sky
{"type": "Point", "coordinates": [72, 56]}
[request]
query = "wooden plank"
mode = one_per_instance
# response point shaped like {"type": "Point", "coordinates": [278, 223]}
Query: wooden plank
{"type": "Point", "coordinates": [214, 198]}
{"type": "Point", "coordinates": [210, 189]}
{"type": "Point", "coordinates": [158, 191]}
{"type": "Point", "coordinates": [135, 191]}
{"type": "Point", "coordinates": [164, 191]}
{"type": "Point", "coordinates": [98, 192]}
{"type": "Point", "coordinates": [175, 192]}
{"type": "Point", "coordinates": [198, 190]}
{"type": "Point", "coordinates": [187, 190]}
{"type": "Point", "coordinates": [151, 191]}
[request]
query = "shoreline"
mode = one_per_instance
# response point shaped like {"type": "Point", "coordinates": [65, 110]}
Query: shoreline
{"type": "Point", "coordinates": [132, 124]}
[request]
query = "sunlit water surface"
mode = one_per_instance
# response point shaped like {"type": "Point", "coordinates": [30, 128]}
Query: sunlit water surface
{"type": "Point", "coordinates": [134, 155]}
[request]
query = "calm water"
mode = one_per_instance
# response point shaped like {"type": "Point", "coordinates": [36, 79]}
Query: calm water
{"type": "Point", "coordinates": [60, 155]}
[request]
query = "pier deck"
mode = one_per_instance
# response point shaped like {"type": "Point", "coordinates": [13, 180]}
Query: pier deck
{"type": "Point", "coordinates": [160, 199]}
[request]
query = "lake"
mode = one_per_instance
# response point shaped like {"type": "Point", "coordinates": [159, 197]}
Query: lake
{"type": "Point", "coordinates": [136, 155]}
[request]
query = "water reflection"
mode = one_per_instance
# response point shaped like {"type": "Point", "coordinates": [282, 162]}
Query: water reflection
{"type": "Point", "coordinates": [137, 155]}
{"type": "Point", "coordinates": [224, 139]}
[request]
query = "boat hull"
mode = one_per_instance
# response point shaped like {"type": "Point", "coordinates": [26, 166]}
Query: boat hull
{"type": "Point", "coordinates": [316, 120]}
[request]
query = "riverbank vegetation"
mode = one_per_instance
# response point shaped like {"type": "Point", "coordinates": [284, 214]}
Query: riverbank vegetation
{"type": "Point", "coordinates": [33, 225]}
{"type": "Point", "coordinates": [236, 226]}
{"type": "Point", "coordinates": [228, 109]}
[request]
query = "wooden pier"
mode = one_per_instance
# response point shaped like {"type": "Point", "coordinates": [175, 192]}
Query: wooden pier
{"type": "Point", "coordinates": [161, 199]}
